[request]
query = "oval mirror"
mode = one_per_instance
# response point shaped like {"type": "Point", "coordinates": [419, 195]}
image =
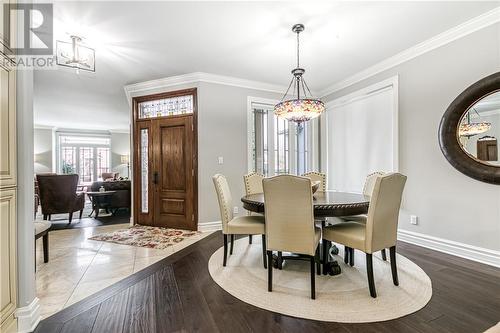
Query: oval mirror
{"type": "Point", "coordinates": [470, 129]}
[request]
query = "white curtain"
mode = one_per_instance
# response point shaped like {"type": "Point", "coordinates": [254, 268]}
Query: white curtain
{"type": "Point", "coordinates": [361, 139]}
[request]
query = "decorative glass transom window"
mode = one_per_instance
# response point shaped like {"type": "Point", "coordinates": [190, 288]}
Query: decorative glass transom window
{"type": "Point", "coordinates": [166, 107]}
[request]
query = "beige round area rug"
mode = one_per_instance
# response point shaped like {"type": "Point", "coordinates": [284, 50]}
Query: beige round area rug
{"type": "Point", "coordinates": [342, 298]}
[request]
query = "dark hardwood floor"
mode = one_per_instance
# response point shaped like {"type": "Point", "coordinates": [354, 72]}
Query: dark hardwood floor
{"type": "Point", "coordinates": [177, 294]}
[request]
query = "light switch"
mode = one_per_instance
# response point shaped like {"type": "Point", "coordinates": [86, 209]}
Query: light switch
{"type": "Point", "coordinates": [414, 219]}
{"type": "Point", "coordinates": [221, 160]}
{"type": "Point", "coordinates": [235, 210]}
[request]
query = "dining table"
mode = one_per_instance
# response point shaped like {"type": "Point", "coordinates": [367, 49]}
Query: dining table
{"type": "Point", "coordinates": [326, 204]}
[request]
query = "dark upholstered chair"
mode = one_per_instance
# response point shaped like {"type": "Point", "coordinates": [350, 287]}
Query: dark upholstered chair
{"type": "Point", "coordinates": [37, 193]}
{"type": "Point", "coordinates": [121, 198]}
{"type": "Point", "coordinates": [58, 195]}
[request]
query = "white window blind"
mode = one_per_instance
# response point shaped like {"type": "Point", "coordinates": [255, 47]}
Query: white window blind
{"type": "Point", "coordinates": [361, 138]}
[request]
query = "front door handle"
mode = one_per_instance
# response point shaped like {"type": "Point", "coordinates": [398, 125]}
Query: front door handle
{"type": "Point", "coordinates": [155, 177]}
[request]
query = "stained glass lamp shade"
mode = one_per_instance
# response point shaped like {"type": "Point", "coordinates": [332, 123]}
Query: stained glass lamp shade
{"type": "Point", "coordinates": [304, 107]}
{"type": "Point", "coordinates": [469, 128]}
{"type": "Point", "coordinates": [473, 128]}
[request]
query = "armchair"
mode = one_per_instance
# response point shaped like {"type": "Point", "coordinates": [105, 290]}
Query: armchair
{"type": "Point", "coordinates": [58, 195]}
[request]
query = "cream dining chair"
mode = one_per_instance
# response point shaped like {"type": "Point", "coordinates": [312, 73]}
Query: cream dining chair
{"type": "Point", "coordinates": [253, 185]}
{"type": "Point", "coordinates": [241, 225]}
{"type": "Point", "coordinates": [317, 176]}
{"type": "Point", "coordinates": [380, 230]}
{"type": "Point", "coordinates": [321, 177]}
{"type": "Point", "coordinates": [367, 191]}
{"type": "Point", "coordinates": [290, 221]}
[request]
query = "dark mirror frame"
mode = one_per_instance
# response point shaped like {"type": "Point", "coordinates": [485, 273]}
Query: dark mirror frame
{"type": "Point", "coordinates": [448, 138]}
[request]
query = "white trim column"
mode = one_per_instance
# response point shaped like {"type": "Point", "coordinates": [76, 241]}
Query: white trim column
{"type": "Point", "coordinates": [28, 312]}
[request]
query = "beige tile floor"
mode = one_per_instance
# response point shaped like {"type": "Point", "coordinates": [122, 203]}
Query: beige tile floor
{"type": "Point", "coordinates": [79, 267]}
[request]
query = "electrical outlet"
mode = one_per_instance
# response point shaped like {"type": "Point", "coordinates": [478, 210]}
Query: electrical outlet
{"type": "Point", "coordinates": [235, 210]}
{"type": "Point", "coordinates": [414, 219]}
{"type": "Point", "coordinates": [220, 159]}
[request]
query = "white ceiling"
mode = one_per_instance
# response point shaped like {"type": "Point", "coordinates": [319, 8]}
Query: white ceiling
{"type": "Point", "coordinates": [139, 41]}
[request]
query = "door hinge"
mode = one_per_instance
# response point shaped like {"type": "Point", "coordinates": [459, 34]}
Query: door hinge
{"type": "Point", "coordinates": [192, 172]}
{"type": "Point", "coordinates": [192, 217]}
{"type": "Point", "coordinates": [192, 127]}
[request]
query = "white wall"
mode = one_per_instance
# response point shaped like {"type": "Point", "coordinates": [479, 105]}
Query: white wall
{"type": "Point", "coordinates": [449, 204]}
{"type": "Point", "coordinates": [43, 150]}
{"type": "Point", "coordinates": [222, 131]}
{"type": "Point", "coordinates": [120, 145]}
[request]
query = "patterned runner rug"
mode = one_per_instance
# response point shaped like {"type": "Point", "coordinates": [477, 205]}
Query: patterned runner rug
{"type": "Point", "coordinates": [144, 236]}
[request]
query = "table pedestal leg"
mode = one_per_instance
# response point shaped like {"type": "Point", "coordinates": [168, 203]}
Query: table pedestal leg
{"type": "Point", "coordinates": [330, 265]}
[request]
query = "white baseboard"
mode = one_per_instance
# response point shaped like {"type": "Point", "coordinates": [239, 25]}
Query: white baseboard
{"type": "Point", "coordinates": [209, 226]}
{"type": "Point", "coordinates": [28, 317]}
{"type": "Point", "coordinates": [479, 254]}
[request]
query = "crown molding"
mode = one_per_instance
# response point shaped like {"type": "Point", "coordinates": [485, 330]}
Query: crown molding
{"type": "Point", "coordinates": [197, 77]}
{"type": "Point", "coordinates": [45, 127]}
{"type": "Point", "coordinates": [119, 131]}
{"type": "Point", "coordinates": [477, 23]}
{"type": "Point", "coordinates": [78, 130]}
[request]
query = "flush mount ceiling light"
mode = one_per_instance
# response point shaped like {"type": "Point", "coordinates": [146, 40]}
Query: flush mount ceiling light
{"type": "Point", "coordinates": [304, 107]}
{"type": "Point", "coordinates": [75, 55]}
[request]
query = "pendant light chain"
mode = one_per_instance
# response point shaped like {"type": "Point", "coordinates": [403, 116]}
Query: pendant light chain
{"type": "Point", "coordinates": [298, 78]}
{"type": "Point", "coordinates": [301, 108]}
{"type": "Point", "coordinates": [298, 53]}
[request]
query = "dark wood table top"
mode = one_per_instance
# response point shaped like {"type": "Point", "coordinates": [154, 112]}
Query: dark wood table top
{"type": "Point", "coordinates": [329, 203]}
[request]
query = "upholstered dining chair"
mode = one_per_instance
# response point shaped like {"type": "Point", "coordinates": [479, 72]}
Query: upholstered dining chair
{"type": "Point", "coordinates": [317, 176]}
{"type": "Point", "coordinates": [321, 177]}
{"type": "Point", "coordinates": [367, 191]}
{"type": "Point", "coordinates": [290, 221]}
{"type": "Point", "coordinates": [380, 230]}
{"type": "Point", "coordinates": [240, 225]}
{"type": "Point", "coordinates": [253, 185]}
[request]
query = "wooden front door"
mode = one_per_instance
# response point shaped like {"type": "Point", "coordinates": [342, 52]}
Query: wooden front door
{"type": "Point", "coordinates": [173, 174]}
{"type": "Point", "coordinates": [165, 155]}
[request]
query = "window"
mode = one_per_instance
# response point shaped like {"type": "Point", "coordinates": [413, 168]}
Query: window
{"type": "Point", "coordinates": [86, 155]}
{"type": "Point", "coordinates": [276, 146]}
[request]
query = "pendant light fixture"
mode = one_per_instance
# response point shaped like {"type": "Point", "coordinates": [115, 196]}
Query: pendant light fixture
{"type": "Point", "coordinates": [304, 107]}
{"type": "Point", "coordinates": [469, 128]}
